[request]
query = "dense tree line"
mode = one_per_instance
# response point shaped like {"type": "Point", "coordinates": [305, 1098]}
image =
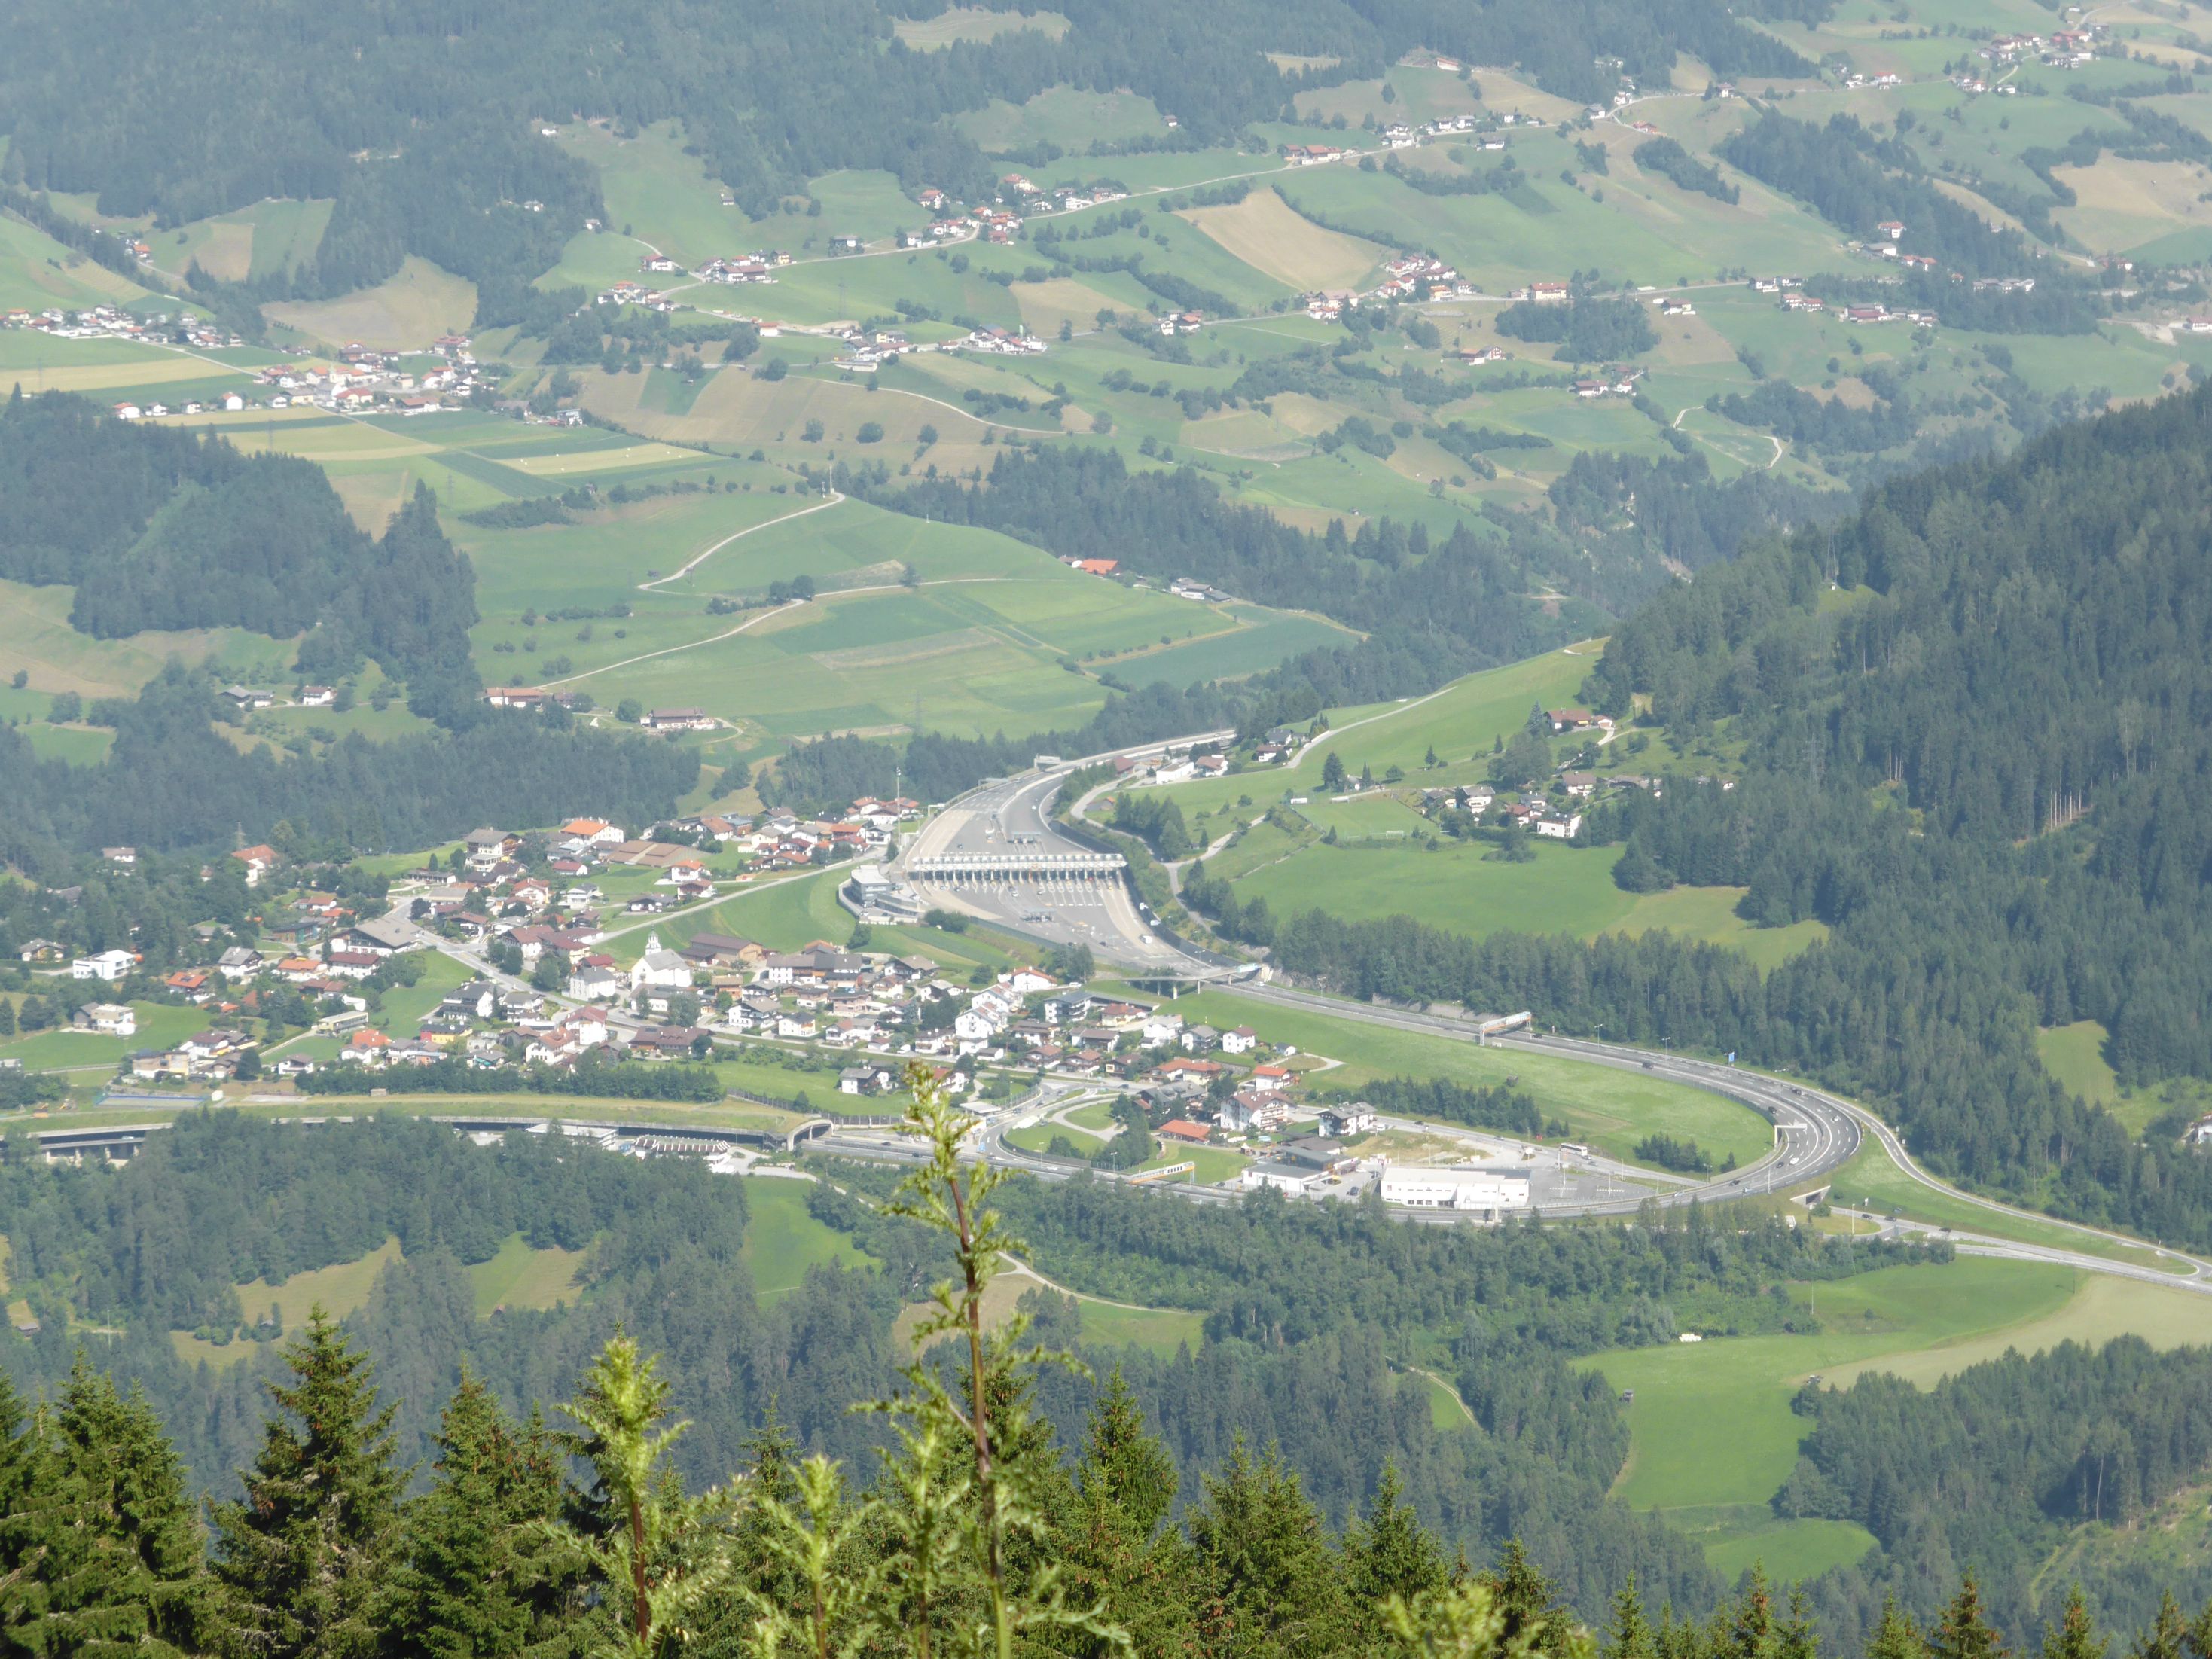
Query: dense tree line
{"type": "Point", "coordinates": [422, 124]}
{"type": "Point", "coordinates": [1156, 820]}
{"type": "Point", "coordinates": [1855, 181]}
{"type": "Point", "coordinates": [1088, 504]}
{"type": "Point", "coordinates": [1667, 157]}
{"type": "Point", "coordinates": [625, 1080]}
{"type": "Point", "coordinates": [1499, 1106]}
{"type": "Point", "coordinates": [1998, 1466]}
{"type": "Point", "coordinates": [1676, 507]}
{"type": "Point", "coordinates": [1586, 330]}
{"type": "Point", "coordinates": [168, 528]}
{"type": "Point", "coordinates": [171, 782]}
{"type": "Point", "coordinates": [1823, 424]}
{"type": "Point", "coordinates": [2013, 672]}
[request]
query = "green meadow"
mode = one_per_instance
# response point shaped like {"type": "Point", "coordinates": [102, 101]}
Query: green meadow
{"type": "Point", "coordinates": [1610, 1111]}
{"type": "Point", "coordinates": [1712, 1434]}
{"type": "Point", "coordinates": [784, 1242]}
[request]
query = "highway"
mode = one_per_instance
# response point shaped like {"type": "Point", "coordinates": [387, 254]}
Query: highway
{"type": "Point", "coordinates": [1006, 822]}
{"type": "Point", "coordinates": [1817, 1132]}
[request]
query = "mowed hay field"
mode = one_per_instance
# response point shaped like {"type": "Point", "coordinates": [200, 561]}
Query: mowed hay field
{"type": "Point", "coordinates": [1045, 306]}
{"type": "Point", "coordinates": [2122, 204]}
{"type": "Point", "coordinates": [1269, 234]}
{"type": "Point", "coordinates": [405, 312]}
{"type": "Point", "coordinates": [37, 272]}
{"type": "Point", "coordinates": [958, 23]}
{"type": "Point", "coordinates": [35, 636]}
{"type": "Point", "coordinates": [739, 410]}
{"type": "Point", "coordinates": [1712, 1434]}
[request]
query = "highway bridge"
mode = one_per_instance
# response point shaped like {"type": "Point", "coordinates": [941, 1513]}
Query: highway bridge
{"type": "Point", "coordinates": [1017, 864]}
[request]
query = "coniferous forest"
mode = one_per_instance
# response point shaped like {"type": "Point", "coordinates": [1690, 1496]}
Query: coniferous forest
{"type": "Point", "coordinates": [669, 1467]}
{"type": "Point", "coordinates": [1973, 718]}
{"type": "Point", "coordinates": [421, 1479]}
{"type": "Point", "coordinates": [159, 527]}
{"type": "Point", "coordinates": [419, 119]}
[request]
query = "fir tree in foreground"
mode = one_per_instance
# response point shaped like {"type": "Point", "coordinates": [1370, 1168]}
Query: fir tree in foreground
{"type": "Point", "coordinates": [302, 1558]}
{"type": "Point", "coordinates": [973, 1539]}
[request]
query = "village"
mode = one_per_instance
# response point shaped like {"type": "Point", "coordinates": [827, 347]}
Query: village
{"type": "Point", "coordinates": [528, 913]}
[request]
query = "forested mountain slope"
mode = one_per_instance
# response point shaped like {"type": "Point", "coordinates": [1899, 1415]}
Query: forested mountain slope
{"type": "Point", "coordinates": [1287, 1419]}
{"type": "Point", "coordinates": [1304, 1359]}
{"type": "Point", "coordinates": [417, 116]}
{"type": "Point", "coordinates": [159, 527]}
{"type": "Point", "coordinates": [1975, 720]}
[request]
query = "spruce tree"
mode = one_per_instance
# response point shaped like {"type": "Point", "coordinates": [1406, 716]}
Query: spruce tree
{"type": "Point", "coordinates": [1389, 1552]}
{"type": "Point", "coordinates": [1797, 1638]}
{"type": "Point", "coordinates": [1963, 1631]}
{"type": "Point", "coordinates": [1632, 1636]}
{"type": "Point", "coordinates": [1124, 1465]}
{"type": "Point", "coordinates": [129, 1570]}
{"type": "Point", "coordinates": [481, 1576]}
{"type": "Point", "coordinates": [1896, 1637]}
{"type": "Point", "coordinates": [1270, 1580]}
{"type": "Point", "coordinates": [301, 1556]}
{"type": "Point", "coordinates": [2168, 1635]}
{"type": "Point", "coordinates": [1526, 1602]}
{"type": "Point", "coordinates": [2075, 1635]}
{"type": "Point", "coordinates": [99, 1539]}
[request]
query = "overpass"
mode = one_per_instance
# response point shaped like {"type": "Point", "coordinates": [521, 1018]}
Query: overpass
{"type": "Point", "coordinates": [1016, 864]}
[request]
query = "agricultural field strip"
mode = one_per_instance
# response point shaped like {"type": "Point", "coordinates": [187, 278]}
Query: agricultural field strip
{"type": "Point", "coordinates": [700, 558]}
{"type": "Point", "coordinates": [839, 593]}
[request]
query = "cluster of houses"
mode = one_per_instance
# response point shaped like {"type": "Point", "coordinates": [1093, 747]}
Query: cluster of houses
{"type": "Point", "coordinates": [363, 380]}
{"type": "Point", "coordinates": [1609, 383]}
{"type": "Point", "coordinates": [113, 323]}
{"type": "Point", "coordinates": [1793, 299]}
{"type": "Point", "coordinates": [1175, 763]}
{"type": "Point", "coordinates": [1553, 810]}
{"type": "Point", "coordinates": [1002, 342]}
{"type": "Point", "coordinates": [1420, 276]}
{"type": "Point", "coordinates": [624, 292]}
{"type": "Point", "coordinates": [1056, 198]}
{"type": "Point", "coordinates": [2065, 48]}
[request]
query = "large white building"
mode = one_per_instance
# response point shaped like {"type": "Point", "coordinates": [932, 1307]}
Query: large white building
{"type": "Point", "coordinates": [1420, 1187]}
{"type": "Point", "coordinates": [659, 970]}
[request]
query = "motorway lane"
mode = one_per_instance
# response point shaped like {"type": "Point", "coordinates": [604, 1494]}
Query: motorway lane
{"type": "Point", "coordinates": [1814, 1136]}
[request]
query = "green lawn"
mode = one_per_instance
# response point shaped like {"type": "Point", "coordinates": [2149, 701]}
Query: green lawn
{"type": "Point", "coordinates": [520, 1277]}
{"type": "Point", "coordinates": [1038, 1138]}
{"type": "Point", "coordinates": [784, 913]}
{"type": "Point", "coordinates": [782, 1240]}
{"type": "Point", "coordinates": [1610, 1109]}
{"type": "Point", "coordinates": [339, 1289]}
{"type": "Point", "coordinates": [1214, 1164]}
{"type": "Point", "coordinates": [159, 1026]}
{"type": "Point", "coordinates": [1563, 889]}
{"type": "Point", "coordinates": [1459, 722]}
{"type": "Point", "coordinates": [1712, 1431]}
{"type": "Point", "coordinates": [1161, 1330]}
